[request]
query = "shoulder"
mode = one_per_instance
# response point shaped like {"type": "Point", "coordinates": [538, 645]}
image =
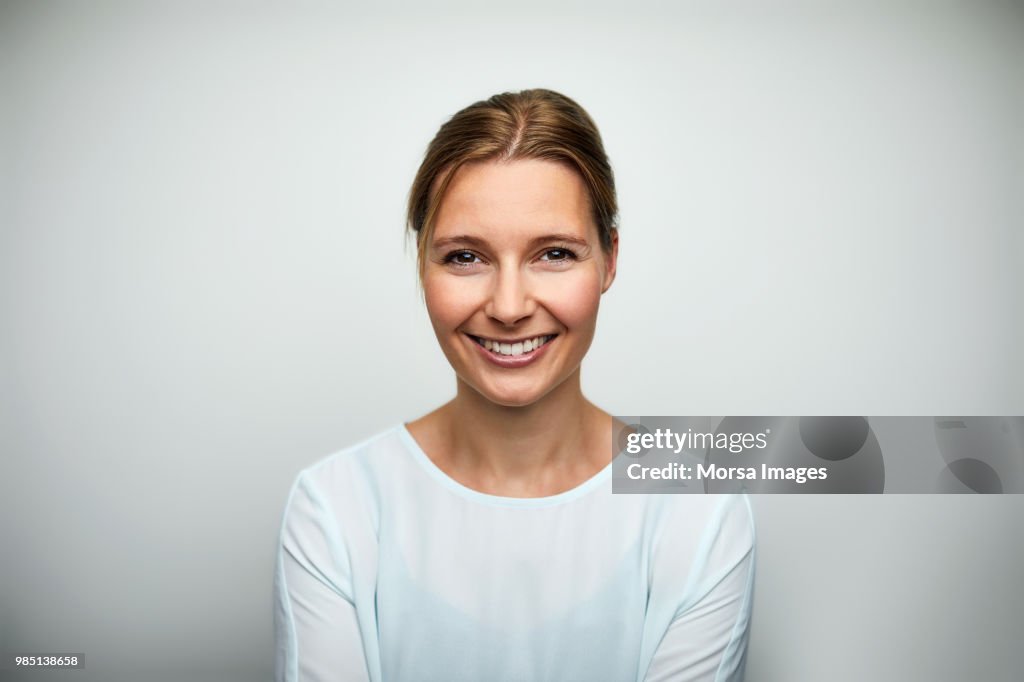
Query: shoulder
{"type": "Point", "coordinates": [700, 539]}
{"type": "Point", "coordinates": [380, 450]}
{"type": "Point", "coordinates": [347, 482]}
{"type": "Point", "coordinates": [730, 535]}
{"type": "Point", "coordinates": [719, 523]}
{"type": "Point", "coordinates": [731, 516]}
{"type": "Point", "coordinates": [707, 519]}
{"type": "Point", "coordinates": [330, 522]}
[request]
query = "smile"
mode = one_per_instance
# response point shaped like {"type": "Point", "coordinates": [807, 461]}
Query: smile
{"type": "Point", "coordinates": [513, 349]}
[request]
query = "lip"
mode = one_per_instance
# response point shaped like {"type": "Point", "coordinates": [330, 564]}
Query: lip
{"type": "Point", "coordinates": [512, 361]}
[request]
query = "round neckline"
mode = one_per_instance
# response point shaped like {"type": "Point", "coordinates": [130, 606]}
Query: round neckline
{"type": "Point", "coordinates": [486, 498]}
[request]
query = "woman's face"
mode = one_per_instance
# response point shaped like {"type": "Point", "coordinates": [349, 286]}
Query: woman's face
{"type": "Point", "coordinates": [513, 277]}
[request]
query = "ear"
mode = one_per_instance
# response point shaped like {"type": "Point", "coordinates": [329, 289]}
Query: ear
{"type": "Point", "coordinates": [611, 261]}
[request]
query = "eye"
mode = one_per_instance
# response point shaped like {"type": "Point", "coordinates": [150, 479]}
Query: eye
{"type": "Point", "coordinates": [462, 258]}
{"type": "Point", "coordinates": [558, 255]}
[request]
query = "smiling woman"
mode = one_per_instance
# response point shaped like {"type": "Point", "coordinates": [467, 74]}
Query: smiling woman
{"type": "Point", "coordinates": [482, 541]}
{"type": "Point", "coordinates": [499, 275]}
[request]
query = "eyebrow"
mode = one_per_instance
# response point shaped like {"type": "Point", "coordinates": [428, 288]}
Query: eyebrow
{"type": "Point", "coordinates": [478, 242]}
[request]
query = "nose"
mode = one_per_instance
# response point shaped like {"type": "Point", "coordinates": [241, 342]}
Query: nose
{"type": "Point", "coordinates": [511, 300]}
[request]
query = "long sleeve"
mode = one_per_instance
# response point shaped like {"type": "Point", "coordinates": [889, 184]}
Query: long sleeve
{"type": "Point", "coordinates": [707, 639]}
{"type": "Point", "coordinates": [316, 631]}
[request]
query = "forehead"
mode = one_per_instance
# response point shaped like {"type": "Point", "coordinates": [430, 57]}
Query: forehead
{"type": "Point", "coordinates": [497, 199]}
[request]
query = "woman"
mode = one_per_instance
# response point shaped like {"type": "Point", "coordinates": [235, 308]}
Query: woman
{"type": "Point", "coordinates": [482, 541]}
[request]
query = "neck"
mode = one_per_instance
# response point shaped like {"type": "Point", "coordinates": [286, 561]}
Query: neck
{"type": "Point", "coordinates": [534, 450]}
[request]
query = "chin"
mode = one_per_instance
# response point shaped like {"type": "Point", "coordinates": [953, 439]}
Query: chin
{"type": "Point", "coordinates": [512, 401]}
{"type": "Point", "coordinates": [511, 396]}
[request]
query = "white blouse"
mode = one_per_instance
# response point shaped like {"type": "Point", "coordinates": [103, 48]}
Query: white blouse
{"type": "Point", "coordinates": [388, 569]}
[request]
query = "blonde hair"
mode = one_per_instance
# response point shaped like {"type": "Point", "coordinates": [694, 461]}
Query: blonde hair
{"type": "Point", "coordinates": [530, 124]}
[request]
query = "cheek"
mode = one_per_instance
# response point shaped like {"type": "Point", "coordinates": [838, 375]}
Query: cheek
{"type": "Point", "coordinates": [574, 300]}
{"type": "Point", "coordinates": [449, 303]}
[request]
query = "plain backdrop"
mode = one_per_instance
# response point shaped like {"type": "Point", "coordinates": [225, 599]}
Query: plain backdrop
{"type": "Point", "coordinates": [204, 287]}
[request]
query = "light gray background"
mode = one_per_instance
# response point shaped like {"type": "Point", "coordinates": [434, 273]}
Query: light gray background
{"type": "Point", "coordinates": [205, 288]}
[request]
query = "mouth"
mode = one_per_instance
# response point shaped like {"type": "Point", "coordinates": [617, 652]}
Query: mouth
{"type": "Point", "coordinates": [513, 348]}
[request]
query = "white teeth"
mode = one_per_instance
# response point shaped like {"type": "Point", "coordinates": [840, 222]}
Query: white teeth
{"type": "Point", "coordinates": [518, 348]}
